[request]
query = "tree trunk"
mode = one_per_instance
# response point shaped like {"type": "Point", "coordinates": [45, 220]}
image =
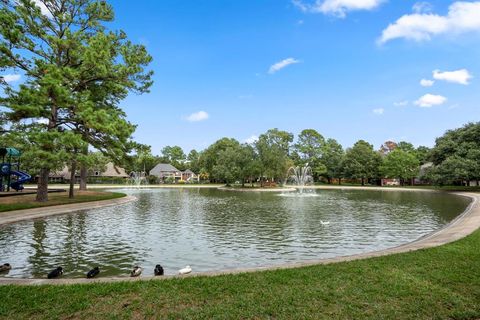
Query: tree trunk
{"type": "Point", "coordinates": [363, 181]}
{"type": "Point", "coordinates": [83, 167]}
{"type": "Point", "coordinates": [243, 183]}
{"type": "Point", "coordinates": [42, 186]}
{"type": "Point", "coordinates": [329, 180]}
{"type": "Point", "coordinates": [72, 180]}
{"type": "Point", "coordinates": [339, 181]}
{"type": "Point", "coordinates": [83, 177]}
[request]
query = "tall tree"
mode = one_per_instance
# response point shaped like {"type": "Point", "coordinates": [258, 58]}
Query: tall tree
{"type": "Point", "coordinates": [400, 164]}
{"type": "Point", "coordinates": [273, 151]}
{"type": "Point", "coordinates": [208, 159]}
{"type": "Point", "coordinates": [72, 65]}
{"type": "Point", "coordinates": [456, 155]}
{"type": "Point", "coordinates": [361, 162]}
{"type": "Point", "coordinates": [310, 148]}
{"type": "Point", "coordinates": [193, 161]}
{"type": "Point", "coordinates": [387, 147]}
{"type": "Point", "coordinates": [174, 155]}
{"type": "Point", "coordinates": [332, 159]}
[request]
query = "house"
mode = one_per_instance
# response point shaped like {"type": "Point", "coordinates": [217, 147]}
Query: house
{"type": "Point", "coordinates": [164, 171]}
{"type": "Point", "coordinates": [189, 175]}
{"type": "Point", "coordinates": [111, 171]}
{"type": "Point", "coordinates": [390, 182]}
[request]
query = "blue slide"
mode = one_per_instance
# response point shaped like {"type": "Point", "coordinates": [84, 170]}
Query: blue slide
{"type": "Point", "coordinates": [22, 178]}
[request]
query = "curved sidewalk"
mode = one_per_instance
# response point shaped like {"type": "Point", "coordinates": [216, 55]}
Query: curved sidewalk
{"type": "Point", "coordinates": [36, 213]}
{"type": "Point", "coordinates": [462, 226]}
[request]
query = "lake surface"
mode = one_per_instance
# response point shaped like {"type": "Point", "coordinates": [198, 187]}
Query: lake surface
{"type": "Point", "coordinates": [211, 229]}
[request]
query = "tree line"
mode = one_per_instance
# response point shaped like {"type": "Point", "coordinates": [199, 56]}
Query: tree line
{"type": "Point", "coordinates": [455, 159]}
{"type": "Point", "coordinates": [75, 72]}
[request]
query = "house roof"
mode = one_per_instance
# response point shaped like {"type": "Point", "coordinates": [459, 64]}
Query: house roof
{"type": "Point", "coordinates": [110, 171]}
{"type": "Point", "coordinates": [114, 171]}
{"type": "Point", "coordinates": [162, 168]}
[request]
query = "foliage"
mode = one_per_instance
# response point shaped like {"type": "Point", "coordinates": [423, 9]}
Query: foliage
{"type": "Point", "coordinates": [332, 158]}
{"type": "Point", "coordinates": [76, 73]}
{"type": "Point", "coordinates": [456, 155]}
{"type": "Point", "coordinates": [175, 156]}
{"type": "Point", "coordinates": [400, 164]}
{"type": "Point", "coordinates": [361, 162]}
{"type": "Point", "coordinates": [310, 149]}
{"type": "Point", "coordinates": [208, 158]}
{"type": "Point", "coordinates": [273, 151]}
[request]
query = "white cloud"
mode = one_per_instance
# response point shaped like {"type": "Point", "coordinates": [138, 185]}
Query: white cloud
{"type": "Point", "coordinates": [41, 120]}
{"type": "Point", "coordinates": [378, 111]}
{"type": "Point", "coordinates": [426, 83]}
{"type": "Point", "coordinates": [430, 100]}
{"type": "Point", "coordinates": [43, 8]}
{"type": "Point", "coordinates": [462, 17]}
{"type": "Point", "coordinates": [11, 77]}
{"type": "Point", "coordinates": [282, 64]}
{"type": "Point", "coordinates": [198, 116]}
{"type": "Point", "coordinates": [401, 103]}
{"type": "Point", "coordinates": [422, 7]}
{"type": "Point", "coordinates": [337, 8]}
{"type": "Point", "coordinates": [461, 76]}
{"type": "Point", "coordinates": [251, 139]}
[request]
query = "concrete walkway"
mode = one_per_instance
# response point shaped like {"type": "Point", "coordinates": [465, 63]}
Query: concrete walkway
{"type": "Point", "coordinates": [36, 213]}
{"type": "Point", "coordinates": [463, 225]}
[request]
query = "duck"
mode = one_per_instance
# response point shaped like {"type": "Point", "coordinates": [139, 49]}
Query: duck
{"type": "Point", "coordinates": [136, 271]}
{"type": "Point", "coordinates": [185, 270]}
{"type": "Point", "coordinates": [55, 273]}
{"type": "Point", "coordinates": [93, 273]}
{"type": "Point", "coordinates": [324, 223]}
{"type": "Point", "coordinates": [158, 271]}
{"type": "Point", "coordinates": [5, 267]}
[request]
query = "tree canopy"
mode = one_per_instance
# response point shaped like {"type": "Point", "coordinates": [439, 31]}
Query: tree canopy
{"type": "Point", "coordinates": [76, 72]}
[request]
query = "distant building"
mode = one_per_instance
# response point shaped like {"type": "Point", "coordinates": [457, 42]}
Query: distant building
{"type": "Point", "coordinates": [390, 182]}
{"type": "Point", "coordinates": [111, 171]}
{"type": "Point", "coordinates": [164, 171]}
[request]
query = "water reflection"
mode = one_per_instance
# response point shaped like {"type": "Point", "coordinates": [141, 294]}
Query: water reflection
{"type": "Point", "coordinates": [213, 230]}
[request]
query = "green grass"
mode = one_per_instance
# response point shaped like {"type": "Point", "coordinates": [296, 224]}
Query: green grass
{"type": "Point", "coordinates": [28, 201]}
{"type": "Point", "coordinates": [437, 283]}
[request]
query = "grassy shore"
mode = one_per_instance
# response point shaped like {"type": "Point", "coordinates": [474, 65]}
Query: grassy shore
{"type": "Point", "coordinates": [438, 283]}
{"type": "Point", "coordinates": [28, 201]}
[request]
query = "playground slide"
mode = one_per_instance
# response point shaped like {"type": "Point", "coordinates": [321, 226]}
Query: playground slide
{"type": "Point", "coordinates": [22, 178]}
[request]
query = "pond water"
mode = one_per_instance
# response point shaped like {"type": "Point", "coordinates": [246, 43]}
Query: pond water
{"type": "Point", "coordinates": [211, 229]}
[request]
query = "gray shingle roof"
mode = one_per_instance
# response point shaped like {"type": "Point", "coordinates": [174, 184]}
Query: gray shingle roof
{"type": "Point", "coordinates": [163, 168]}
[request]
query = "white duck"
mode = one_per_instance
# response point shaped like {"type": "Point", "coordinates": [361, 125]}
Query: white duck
{"type": "Point", "coordinates": [185, 270]}
{"type": "Point", "coordinates": [137, 271]}
{"type": "Point", "coordinates": [324, 223]}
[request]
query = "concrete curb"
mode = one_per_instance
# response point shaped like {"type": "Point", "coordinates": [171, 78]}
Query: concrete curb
{"type": "Point", "coordinates": [37, 213]}
{"type": "Point", "coordinates": [257, 189]}
{"type": "Point", "coordinates": [462, 226]}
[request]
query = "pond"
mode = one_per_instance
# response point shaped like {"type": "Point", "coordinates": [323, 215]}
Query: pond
{"type": "Point", "coordinates": [211, 229]}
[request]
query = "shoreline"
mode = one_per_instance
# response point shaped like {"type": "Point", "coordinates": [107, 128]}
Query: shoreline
{"type": "Point", "coordinates": [15, 216]}
{"type": "Point", "coordinates": [463, 225]}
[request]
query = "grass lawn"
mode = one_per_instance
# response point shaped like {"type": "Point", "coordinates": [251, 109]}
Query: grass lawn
{"type": "Point", "coordinates": [438, 283]}
{"type": "Point", "coordinates": [28, 201]}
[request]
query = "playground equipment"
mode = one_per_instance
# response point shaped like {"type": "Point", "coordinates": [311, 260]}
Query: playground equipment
{"type": "Point", "coordinates": [9, 169]}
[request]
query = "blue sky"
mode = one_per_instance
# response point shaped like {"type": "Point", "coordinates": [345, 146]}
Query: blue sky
{"type": "Point", "coordinates": [344, 79]}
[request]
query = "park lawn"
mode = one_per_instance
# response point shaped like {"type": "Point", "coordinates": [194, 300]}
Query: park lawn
{"type": "Point", "coordinates": [28, 201]}
{"type": "Point", "coordinates": [437, 283]}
